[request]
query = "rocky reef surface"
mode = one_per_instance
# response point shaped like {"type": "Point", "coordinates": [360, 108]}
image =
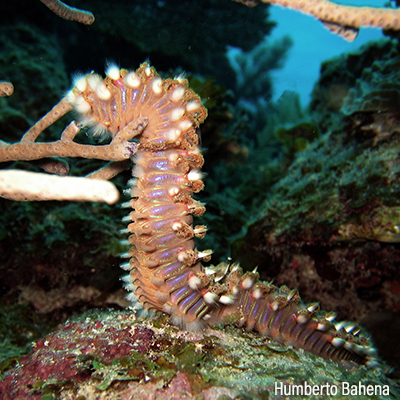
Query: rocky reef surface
{"type": "Point", "coordinates": [104, 354]}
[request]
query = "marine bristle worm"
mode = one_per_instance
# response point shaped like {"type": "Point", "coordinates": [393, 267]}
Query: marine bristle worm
{"type": "Point", "coordinates": [165, 270]}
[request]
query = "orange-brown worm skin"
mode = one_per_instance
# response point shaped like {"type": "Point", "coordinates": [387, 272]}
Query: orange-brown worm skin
{"type": "Point", "coordinates": [165, 270]}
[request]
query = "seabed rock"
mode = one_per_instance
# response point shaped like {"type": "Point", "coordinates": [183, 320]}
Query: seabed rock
{"type": "Point", "coordinates": [107, 354]}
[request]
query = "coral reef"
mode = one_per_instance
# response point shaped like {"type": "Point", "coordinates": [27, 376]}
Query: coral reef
{"type": "Point", "coordinates": [113, 352]}
{"type": "Point", "coordinates": [325, 220]}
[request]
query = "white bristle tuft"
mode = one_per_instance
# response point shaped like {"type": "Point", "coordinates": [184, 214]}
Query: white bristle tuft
{"type": "Point", "coordinates": [147, 70]}
{"type": "Point", "coordinates": [156, 86]}
{"type": "Point", "coordinates": [132, 182]}
{"type": "Point", "coordinates": [168, 308]}
{"type": "Point", "coordinates": [138, 171]}
{"type": "Point", "coordinates": [234, 267]}
{"type": "Point", "coordinates": [182, 256]}
{"type": "Point", "coordinates": [126, 255]}
{"type": "Point", "coordinates": [177, 114]}
{"type": "Point", "coordinates": [348, 346]}
{"type": "Point", "coordinates": [340, 325]}
{"type": "Point", "coordinates": [291, 294]}
{"type": "Point", "coordinates": [126, 204]}
{"type": "Point", "coordinates": [129, 287]}
{"type": "Point", "coordinates": [195, 150]}
{"type": "Point", "coordinates": [173, 134]}
{"type": "Point", "coordinates": [322, 326]}
{"type": "Point", "coordinates": [113, 72]}
{"type": "Point", "coordinates": [173, 156]}
{"type": "Point", "coordinates": [194, 282]}
{"type": "Point", "coordinates": [196, 204]}
{"type": "Point", "coordinates": [126, 278]}
{"type": "Point", "coordinates": [131, 297]}
{"type": "Point", "coordinates": [102, 92]}
{"type": "Point", "coordinates": [338, 342]}
{"type": "Point", "coordinates": [330, 316]}
{"type": "Point", "coordinates": [135, 192]}
{"type": "Point", "coordinates": [126, 266]}
{"type": "Point", "coordinates": [350, 327]}
{"type": "Point", "coordinates": [180, 78]}
{"type": "Point", "coordinates": [185, 124]}
{"type": "Point", "coordinates": [227, 299]}
{"type": "Point", "coordinates": [313, 307]}
{"type": "Point", "coordinates": [177, 94]}
{"type": "Point", "coordinates": [205, 253]}
{"type": "Point", "coordinates": [173, 191]}
{"type": "Point", "coordinates": [192, 105]}
{"type": "Point", "coordinates": [80, 83]}
{"type": "Point", "coordinates": [132, 80]}
{"type": "Point", "coordinates": [81, 105]}
{"type": "Point", "coordinates": [93, 81]}
{"type": "Point", "coordinates": [127, 218]}
{"type": "Point", "coordinates": [195, 175]}
{"type": "Point", "coordinates": [176, 226]}
{"type": "Point", "coordinates": [71, 97]}
{"type": "Point", "coordinates": [99, 131]}
{"type": "Point", "coordinates": [210, 298]}
{"type": "Point", "coordinates": [274, 305]}
{"type": "Point", "coordinates": [247, 283]}
{"type": "Point", "coordinates": [200, 230]}
{"type": "Point", "coordinates": [302, 318]}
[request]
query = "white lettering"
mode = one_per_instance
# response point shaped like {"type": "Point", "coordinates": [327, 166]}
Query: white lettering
{"type": "Point", "coordinates": [280, 388]}
{"type": "Point", "coordinates": [307, 389]}
{"type": "Point", "coordinates": [385, 390]}
{"type": "Point", "coordinates": [361, 390]}
{"type": "Point", "coordinates": [327, 389]}
{"type": "Point", "coordinates": [297, 390]}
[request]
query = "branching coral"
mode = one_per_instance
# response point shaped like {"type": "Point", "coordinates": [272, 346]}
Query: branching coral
{"type": "Point", "coordinates": [43, 187]}
{"type": "Point", "coordinates": [342, 20]}
{"type": "Point", "coordinates": [6, 88]}
{"type": "Point", "coordinates": [69, 13]}
{"type": "Point", "coordinates": [29, 186]}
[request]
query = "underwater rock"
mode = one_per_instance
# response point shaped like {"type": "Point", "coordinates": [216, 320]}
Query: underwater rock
{"type": "Point", "coordinates": [107, 354]}
{"type": "Point", "coordinates": [330, 225]}
{"type": "Point", "coordinates": [373, 104]}
{"type": "Point", "coordinates": [342, 74]}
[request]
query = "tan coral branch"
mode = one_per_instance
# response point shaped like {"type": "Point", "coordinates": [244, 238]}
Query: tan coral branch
{"type": "Point", "coordinates": [69, 13]}
{"type": "Point", "coordinates": [30, 186]}
{"type": "Point", "coordinates": [28, 149]}
{"type": "Point", "coordinates": [6, 89]}
{"type": "Point", "coordinates": [339, 18]}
